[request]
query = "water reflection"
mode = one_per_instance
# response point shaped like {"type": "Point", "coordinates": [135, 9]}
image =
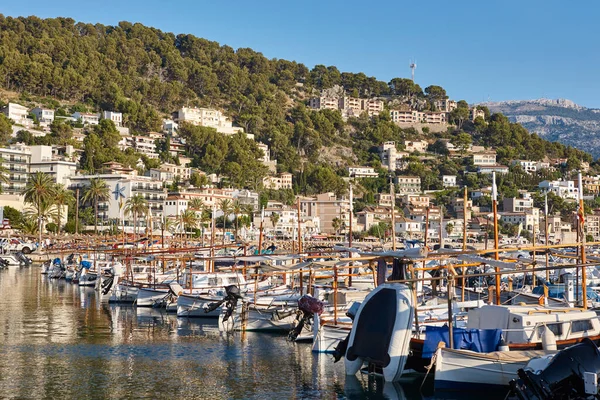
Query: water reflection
{"type": "Point", "coordinates": [58, 340]}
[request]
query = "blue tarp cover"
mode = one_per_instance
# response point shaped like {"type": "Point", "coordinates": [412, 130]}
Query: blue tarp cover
{"type": "Point", "coordinates": [479, 340]}
{"type": "Point", "coordinates": [86, 264]}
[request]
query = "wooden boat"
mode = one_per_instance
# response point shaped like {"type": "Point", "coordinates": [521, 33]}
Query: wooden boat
{"type": "Point", "coordinates": [466, 370]}
{"type": "Point", "coordinates": [522, 328]}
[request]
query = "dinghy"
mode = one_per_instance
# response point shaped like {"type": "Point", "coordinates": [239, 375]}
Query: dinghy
{"type": "Point", "coordinates": [381, 331]}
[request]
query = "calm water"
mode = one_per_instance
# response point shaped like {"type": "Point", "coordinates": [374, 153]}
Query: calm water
{"type": "Point", "coordinates": [58, 341]}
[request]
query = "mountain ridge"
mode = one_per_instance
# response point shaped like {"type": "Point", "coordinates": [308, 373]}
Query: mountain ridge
{"type": "Point", "coordinates": [559, 120]}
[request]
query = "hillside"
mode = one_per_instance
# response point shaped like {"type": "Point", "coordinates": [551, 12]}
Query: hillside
{"type": "Point", "coordinates": [147, 74]}
{"type": "Point", "coordinates": [556, 120]}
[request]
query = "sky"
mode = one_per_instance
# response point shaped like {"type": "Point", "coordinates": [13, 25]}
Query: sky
{"type": "Point", "coordinates": [484, 50]}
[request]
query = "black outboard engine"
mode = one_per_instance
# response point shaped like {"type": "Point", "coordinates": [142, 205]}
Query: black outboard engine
{"type": "Point", "coordinates": [23, 258]}
{"type": "Point", "coordinates": [340, 349]}
{"type": "Point", "coordinates": [71, 258]}
{"type": "Point", "coordinates": [4, 263]}
{"type": "Point", "coordinates": [308, 306]}
{"type": "Point", "coordinates": [232, 295]}
{"type": "Point", "coordinates": [563, 377]}
{"type": "Point", "coordinates": [108, 283]}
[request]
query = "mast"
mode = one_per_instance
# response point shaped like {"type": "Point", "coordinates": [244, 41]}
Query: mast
{"type": "Point", "coordinates": [260, 234]}
{"type": "Point", "coordinates": [299, 229]}
{"type": "Point", "coordinates": [465, 221]}
{"type": "Point", "coordinates": [496, 253]}
{"type": "Point", "coordinates": [546, 233]}
{"type": "Point", "coordinates": [77, 212]}
{"type": "Point", "coordinates": [393, 214]}
{"type": "Point", "coordinates": [350, 213]}
{"type": "Point", "coordinates": [581, 216]}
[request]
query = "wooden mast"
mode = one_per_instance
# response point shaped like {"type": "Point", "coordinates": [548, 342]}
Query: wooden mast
{"type": "Point", "coordinates": [393, 214]}
{"type": "Point", "coordinates": [581, 216]}
{"type": "Point", "coordinates": [496, 246]}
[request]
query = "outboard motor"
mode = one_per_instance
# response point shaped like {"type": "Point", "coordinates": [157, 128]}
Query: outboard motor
{"type": "Point", "coordinates": [563, 377]}
{"type": "Point", "coordinates": [107, 283]}
{"type": "Point", "coordinates": [71, 258]}
{"type": "Point", "coordinates": [340, 349]}
{"type": "Point", "coordinates": [4, 263]}
{"type": "Point", "coordinates": [308, 306]}
{"type": "Point", "coordinates": [232, 295]}
{"type": "Point", "coordinates": [23, 259]}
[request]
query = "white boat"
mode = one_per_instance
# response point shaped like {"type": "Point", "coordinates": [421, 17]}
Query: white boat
{"type": "Point", "coordinates": [11, 259]}
{"type": "Point", "coordinates": [195, 306]}
{"type": "Point", "coordinates": [465, 370]}
{"type": "Point", "coordinates": [381, 331]}
{"type": "Point", "coordinates": [152, 297]}
{"type": "Point", "coordinates": [329, 335]}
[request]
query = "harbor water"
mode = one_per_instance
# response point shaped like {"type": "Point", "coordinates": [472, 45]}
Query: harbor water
{"type": "Point", "coordinates": [59, 341]}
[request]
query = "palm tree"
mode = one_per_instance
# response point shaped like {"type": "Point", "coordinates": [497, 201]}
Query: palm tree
{"type": "Point", "coordinates": [39, 192]}
{"type": "Point", "coordinates": [47, 212]}
{"type": "Point", "coordinates": [225, 206]}
{"type": "Point", "coordinates": [336, 224]}
{"type": "Point", "coordinates": [196, 204]}
{"type": "Point", "coordinates": [166, 224]}
{"type": "Point", "coordinates": [136, 206]}
{"type": "Point", "coordinates": [97, 191]}
{"type": "Point", "coordinates": [62, 197]}
{"type": "Point", "coordinates": [188, 219]}
{"type": "Point", "coordinates": [3, 176]}
{"type": "Point", "coordinates": [274, 217]}
{"type": "Point", "coordinates": [237, 210]}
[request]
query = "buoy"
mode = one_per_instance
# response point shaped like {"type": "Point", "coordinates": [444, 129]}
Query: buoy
{"type": "Point", "coordinates": [548, 339]}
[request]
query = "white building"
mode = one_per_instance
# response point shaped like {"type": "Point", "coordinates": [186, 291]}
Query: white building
{"type": "Point", "coordinates": [391, 157]}
{"type": "Point", "coordinates": [115, 117]}
{"type": "Point", "coordinates": [449, 180]}
{"type": "Point", "coordinates": [168, 172]}
{"type": "Point", "coordinates": [530, 166]}
{"type": "Point", "coordinates": [177, 203]}
{"type": "Point", "coordinates": [563, 189]}
{"type": "Point", "coordinates": [143, 144]}
{"type": "Point", "coordinates": [17, 113]}
{"type": "Point", "coordinates": [169, 126]}
{"type": "Point", "coordinates": [87, 118]}
{"type": "Point", "coordinates": [45, 116]}
{"type": "Point", "coordinates": [266, 158]}
{"type": "Point", "coordinates": [43, 160]}
{"type": "Point", "coordinates": [527, 219]}
{"type": "Point", "coordinates": [485, 158]}
{"type": "Point", "coordinates": [15, 161]}
{"type": "Point", "coordinates": [362, 172]}
{"type": "Point", "coordinates": [123, 187]}
{"type": "Point", "coordinates": [208, 117]}
{"type": "Point", "coordinates": [408, 184]}
{"type": "Point", "coordinates": [415, 145]}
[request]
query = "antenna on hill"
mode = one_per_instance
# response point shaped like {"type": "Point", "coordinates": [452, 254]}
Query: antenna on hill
{"type": "Point", "coordinates": [413, 65]}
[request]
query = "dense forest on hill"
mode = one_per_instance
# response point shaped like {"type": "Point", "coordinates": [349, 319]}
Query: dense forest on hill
{"type": "Point", "coordinates": [147, 74]}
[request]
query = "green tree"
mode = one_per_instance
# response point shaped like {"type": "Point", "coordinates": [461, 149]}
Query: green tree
{"type": "Point", "coordinates": [96, 191]}
{"type": "Point", "coordinates": [137, 206]}
{"type": "Point", "coordinates": [39, 192]}
{"type": "Point", "coordinates": [225, 207]}
{"type": "Point", "coordinates": [62, 197]}
{"type": "Point", "coordinates": [5, 129]}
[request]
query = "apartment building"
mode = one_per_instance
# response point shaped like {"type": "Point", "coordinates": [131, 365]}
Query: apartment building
{"type": "Point", "coordinates": [15, 161]}
{"type": "Point", "coordinates": [17, 113]}
{"type": "Point", "coordinates": [527, 219]}
{"type": "Point", "coordinates": [408, 184]}
{"type": "Point", "coordinates": [209, 118]}
{"type": "Point", "coordinates": [281, 181]}
{"type": "Point", "coordinates": [87, 118]}
{"type": "Point", "coordinates": [592, 224]}
{"type": "Point", "coordinates": [415, 145]}
{"type": "Point", "coordinates": [362, 172]}
{"type": "Point", "coordinates": [520, 204]}
{"type": "Point", "coordinates": [168, 172]}
{"type": "Point", "coordinates": [446, 105]}
{"type": "Point", "coordinates": [44, 160]}
{"type": "Point", "coordinates": [334, 99]}
{"type": "Point", "coordinates": [484, 158]}
{"type": "Point", "coordinates": [449, 181]}
{"type": "Point", "coordinates": [143, 144]}
{"type": "Point", "coordinates": [326, 206]}
{"type": "Point", "coordinates": [475, 112]}
{"type": "Point", "coordinates": [530, 166]}
{"type": "Point", "coordinates": [115, 117]}
{"type": "Point", "coordinates": [563, 189]}
{"type": "Point", "coordinates": [591, 184]}
{"type": "Point", "coordinates": [416, 200]}
{"type": "Point", "coordinates": [122, 187]}
{"type": "Point", "coordinates": [211, 197]}
{"type": "Point", "coordinates": [45, 116]}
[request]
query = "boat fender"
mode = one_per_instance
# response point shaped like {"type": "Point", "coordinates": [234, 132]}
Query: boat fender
{"type": "Point", "coordinates": [503, 346]}
{"type": "Point", "coordinates": [548, 339]}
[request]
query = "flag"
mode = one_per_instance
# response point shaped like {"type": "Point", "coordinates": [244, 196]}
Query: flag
{"type": "Point", "coordinates": [494, 188]}
{"type": "Point", "coordinates": [580, 215]}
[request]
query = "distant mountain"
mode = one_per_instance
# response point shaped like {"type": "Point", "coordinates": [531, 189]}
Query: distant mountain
{"type": "Point", "coordinates": [557, 120]}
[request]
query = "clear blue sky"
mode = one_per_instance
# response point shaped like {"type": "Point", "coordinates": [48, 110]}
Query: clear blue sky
{"type": "Point", "coordinates": [477, 50]}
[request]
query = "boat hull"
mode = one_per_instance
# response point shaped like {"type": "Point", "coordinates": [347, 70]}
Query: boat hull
{"type": "Point", "coordinates": [147, 297]}
{"type": "Point", "coordinates": [194, 307]}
